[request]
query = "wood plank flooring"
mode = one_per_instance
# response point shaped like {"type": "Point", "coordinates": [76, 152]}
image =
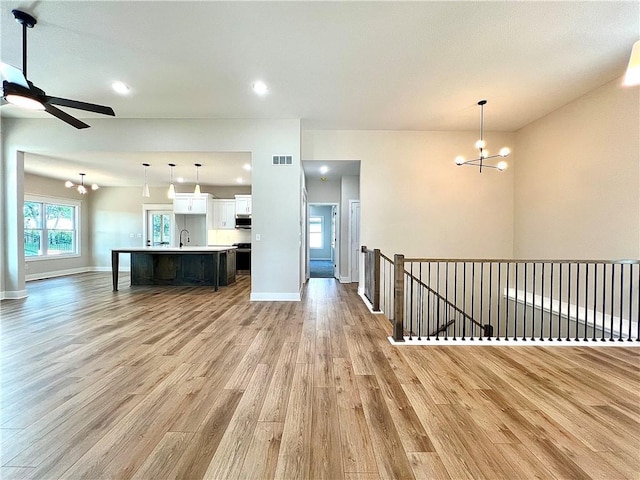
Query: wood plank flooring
{"type": "Point", "coordinates": [186, 383]}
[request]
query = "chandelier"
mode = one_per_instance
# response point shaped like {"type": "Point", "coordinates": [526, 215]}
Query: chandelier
{"type": "Point", "coordinates": [483, 154]}
{"type": "Point", "coordinates": [80, 187]}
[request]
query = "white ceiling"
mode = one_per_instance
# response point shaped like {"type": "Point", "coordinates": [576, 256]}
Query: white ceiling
{"type": "Point", "coordinates": [335, 65]}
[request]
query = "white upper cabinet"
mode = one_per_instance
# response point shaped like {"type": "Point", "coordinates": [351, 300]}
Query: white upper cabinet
{"type": "Point", "coordinates": [187, 203]}
{"type": "Point", "coordinates": [224, 214]}
{"type": "Point", "coordinates": [243, 204]}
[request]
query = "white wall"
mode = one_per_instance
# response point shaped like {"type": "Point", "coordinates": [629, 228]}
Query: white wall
{"type": "Point", "coordinates": [275, 190]}
{"type": "Point", "coordinates": [323, 192]}
{"type": "Point", "coordinates": [577, 182]}
{"type": "Point", "coordinates": [415, 200]}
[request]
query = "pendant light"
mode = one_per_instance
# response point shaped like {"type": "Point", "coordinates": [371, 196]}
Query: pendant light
{"type": "Point", "coordinates": [632, 76]}
{"type": "Point", "coordinates": [82, 190]}
{"type": "Point", "coordinates": [483, 153]}
{"type": "Point", "coordinates": [196, 192]}
{"type": "Point", "coordinates": [172, 189]}
{"type": "Point", "coordinates": [145, 189]}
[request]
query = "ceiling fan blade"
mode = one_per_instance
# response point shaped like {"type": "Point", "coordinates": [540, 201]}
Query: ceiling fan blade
{"type": "Point", "coordinates": [13, 75]}
{"type": "Point", "coordinates": [65, 117]}
{"type": "Point", "coordinates": [90, 107]}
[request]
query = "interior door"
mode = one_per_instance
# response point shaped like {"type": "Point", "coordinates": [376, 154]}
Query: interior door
{"type": "Point", "coordinates": [354, 240]}
{"type": "Point", "coordinates": [159, 232]}
{"type": "Point", "coordinates": [334, 240]}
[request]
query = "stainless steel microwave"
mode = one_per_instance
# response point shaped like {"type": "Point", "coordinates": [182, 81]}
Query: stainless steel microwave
{"type": "Point", "coordinates": [243, 222]}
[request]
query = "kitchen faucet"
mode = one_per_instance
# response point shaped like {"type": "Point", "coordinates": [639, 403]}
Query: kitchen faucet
{"type": "Point", "coordinates": [184, 230]}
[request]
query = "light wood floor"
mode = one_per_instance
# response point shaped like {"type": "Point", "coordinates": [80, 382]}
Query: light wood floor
{"type": "Point", "coordinates": [163, 383]}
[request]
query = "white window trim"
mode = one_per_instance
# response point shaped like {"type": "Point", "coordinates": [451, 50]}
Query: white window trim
{"type": "Point", "coordinates": [28, 197]}
{"type": "Point", "coordinates": [322, 232]}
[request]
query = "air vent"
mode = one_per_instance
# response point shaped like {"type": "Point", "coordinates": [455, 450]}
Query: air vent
{"type": "Point", "coordinates": [282, 160]}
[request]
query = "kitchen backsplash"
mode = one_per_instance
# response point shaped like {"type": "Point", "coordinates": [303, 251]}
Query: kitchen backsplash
{"type": "Point", "coordinates": [228, 237]}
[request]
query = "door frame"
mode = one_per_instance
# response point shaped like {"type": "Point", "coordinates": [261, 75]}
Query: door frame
{"type": "Point", "coordinates": [336, 252]}
{"type": "Point", "coordinates": [151, 207]}
{"type": "Point", "coordinates": [351, 203]}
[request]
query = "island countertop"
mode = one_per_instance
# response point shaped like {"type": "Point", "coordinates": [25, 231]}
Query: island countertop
{"type": "Point", "coordinates": [174, 250]}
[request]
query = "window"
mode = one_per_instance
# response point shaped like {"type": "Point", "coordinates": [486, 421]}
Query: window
{"type": "Point", "coordinates": [316, 233]}
{"type": "Point", "coordinates": [50, 228]}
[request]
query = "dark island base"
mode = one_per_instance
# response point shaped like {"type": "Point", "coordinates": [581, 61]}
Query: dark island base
{"type": "Point", "coordinates": [187, 270]}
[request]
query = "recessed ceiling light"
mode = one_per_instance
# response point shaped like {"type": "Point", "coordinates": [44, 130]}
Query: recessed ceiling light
{"type": "Point", "coordinates": [324, 169]}
{"type": "Point", "coordinates": [260, 87]}
{"type": "Point", "coordinates": [247, 167]}
{"type": "Point", "coordinates": [121, 88]}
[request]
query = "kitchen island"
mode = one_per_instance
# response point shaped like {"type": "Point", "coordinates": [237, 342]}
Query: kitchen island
{"type": "Point", "coordinates": [188, 266]}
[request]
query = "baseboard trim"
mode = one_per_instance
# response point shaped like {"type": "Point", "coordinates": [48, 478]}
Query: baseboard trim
{"type": "Point", "coordinates": [276, 297]}
{"type": "Point", "coordinates": [13, 295]}
{"type": "Point", "coordinates": [345, 280]}
{"type": "Point", "coordinates": [56, 273]}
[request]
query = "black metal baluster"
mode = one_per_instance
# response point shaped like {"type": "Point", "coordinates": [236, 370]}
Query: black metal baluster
{"type": "Point", "coordinates": [515, 308]}
{"type": "Point", "coordinates": [533, 305]}
{"type": "Point", "coordinates": [621, 301]}
{"type": "Point", "coordinates": [586, 301]}
{"type": "Point", "coordinates": [506, 321]}
{"type": "Point", "coordinates": [577, 300]}
{"type": "Point", "coordinates": [446, 295]}
{"type": "Point", "coordinates": [595, 300]}
{"type": "Point", "coordinates": [551, 305]}
{"type": "Point", "coordinates": [411, 301]}
{"type": "Point", "coordinates": [638, 323]}
{"type": "Point", "coordinates": [604, 290]}
{"type": "Point", "coordinates": [560, 304]}
{"type": "Point", "coordinates": [569, 304]}
{"type": "Point", "coordinates": [613, 281]}
{"type": "Point", "coordinates": [420, 301]}
{"type": "Point", "coordinates": [542, 305]}
{"type": "Point", "coordinates": [473, 301]}
{"type": "Point", "coordinates": [464, 299]}
{"type": "Point", "coordinates": [497, 336]}
{"type": "Point", "coordinates": [481, 298]}
{"type": "Point", "coordinates": [631, 300]}
{"type": "Point", "coordinates": [490, 295]}
{"type": "Point", "coordinates": [439, 302]}
{"type": "Point", "coordinates": [524, 324]}
{"type": "Point", "coordinates": [429, 302]}
{"type": "Point", "coordinates": [455, 297]}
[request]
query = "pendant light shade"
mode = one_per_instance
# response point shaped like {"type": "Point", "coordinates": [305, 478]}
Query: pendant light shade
{"type": "Point", "coordinates": [196, 191]}
{"type": "Point", "coordinates": [632, 76]}
{"type": "Point", "coordinates": [145, 189]}
{"type": "Point", "coordinates": [172, 189]}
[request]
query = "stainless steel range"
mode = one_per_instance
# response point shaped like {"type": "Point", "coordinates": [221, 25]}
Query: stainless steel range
{"type": "Point", "coordinates": [243, 258]}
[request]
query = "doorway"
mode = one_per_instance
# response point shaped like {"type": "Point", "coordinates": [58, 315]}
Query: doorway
{"type": "Point", "coordinates": [354, 240]}
{"type": "Point", "coordinates": [158, 226]}
{"type": "Point", "coordinates": [322, 240]}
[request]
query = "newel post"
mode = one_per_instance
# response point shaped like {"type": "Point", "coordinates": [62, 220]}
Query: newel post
{"type": "Point", "coordinates": [376, 279]}
{"type": "Point", "coordinates": [398, 298]}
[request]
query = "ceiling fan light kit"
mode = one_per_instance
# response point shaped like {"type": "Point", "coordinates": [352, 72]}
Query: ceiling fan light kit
{"type": "Point", "coordinates": [483, 154]}
{"type": "Point", "coordinates": [19, 91]}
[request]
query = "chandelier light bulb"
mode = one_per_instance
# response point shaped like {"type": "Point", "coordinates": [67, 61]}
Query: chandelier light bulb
{"type": "Point", "coordinates": [82, 189]}
{"type": "Point", "coordinates": [94, 187]}
{"type": "Point", "coordinates": [502, 165]}
{"type": "Point", "coordinates": [459, 160]}
{"type": "Point", "coordinates": [505, 151]}
{"type": "Point", "coordinates": [481, 144]}
{"type": "Point", "coordinates": [68, 184]}
{"type": "Point", "coordinates": [484, 154]}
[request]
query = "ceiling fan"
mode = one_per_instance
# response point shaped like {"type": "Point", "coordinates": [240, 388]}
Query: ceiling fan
{"type": "Point", "coordinates": [17, 90]}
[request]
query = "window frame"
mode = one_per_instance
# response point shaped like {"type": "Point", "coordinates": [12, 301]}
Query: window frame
{"type": "Point", "coordinates": [67, 202]}
{"type": "Point", "coordinates": [321, 232]}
